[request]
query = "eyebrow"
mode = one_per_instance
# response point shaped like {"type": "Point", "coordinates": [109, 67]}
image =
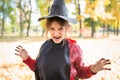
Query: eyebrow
{"type": "Point", "coordinates": [60, 28]}
{"type": "Point", "coordinates": [51, 28]}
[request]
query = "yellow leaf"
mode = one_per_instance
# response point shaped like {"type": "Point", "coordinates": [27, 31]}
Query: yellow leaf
{"type": "Point", "coordinates": [95, 3]}
{"type": "Point", "coordinates": [43, 24]}
{"type": "Point", "coordinates": [106, 2]}
{"type": "Point", "coordinates": [78, 17]}
{"type": "Point", "coordinates": [68, 0]}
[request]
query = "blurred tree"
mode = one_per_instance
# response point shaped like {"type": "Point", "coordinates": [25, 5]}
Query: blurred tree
{"type": "Point", "coordinates": [113, 7]}
{"type": "Point", "coordinates": [25, 10]}
{"type": "Point", "coordinates": [7, 11]}
{"type": "Point", "coordinates": [3, 17]}
{"type": "Point", "coordinates": [29, 19]}
{"type": "Point", "coordinates": [20, 16]}
{"type": "Point", "coordinates": [87, 22]}
{"type": "Point", "coordinates": [44, 9]}
{"type": "Point", "coordinates": [77, 13]}
{"type": "Point", "coordinates": [101, 19]}
{"type": "Point", "coordinates": [90, 7]}
{"type": "Point", "coordinates": [79, 17]}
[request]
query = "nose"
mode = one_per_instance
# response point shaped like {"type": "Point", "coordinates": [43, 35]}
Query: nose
{"type": "Point", "coordinates": [56, 33]}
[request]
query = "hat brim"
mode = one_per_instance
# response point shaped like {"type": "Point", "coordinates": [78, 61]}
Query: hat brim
{"type": "Point", "coordinates": [63, 17]}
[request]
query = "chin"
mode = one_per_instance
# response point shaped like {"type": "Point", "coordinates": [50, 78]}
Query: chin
{"type": "Point", "coordinates": [57, 42]}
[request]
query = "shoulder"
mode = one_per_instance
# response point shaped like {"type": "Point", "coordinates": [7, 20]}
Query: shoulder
{"type": "Point", "coordinates": [74, 47]}
{"type": "Point", "coordinates": [75, 50]}
{"type": "Point", "coordinates": [70, 40]}
{"type": "Point", "coordinates": [72, 43]}
{"type": "Point", "coordinates": [46, 43]}
{"type": "Point", "coordinates": [44, 47]}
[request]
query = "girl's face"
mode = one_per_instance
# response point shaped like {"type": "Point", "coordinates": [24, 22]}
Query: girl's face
{"type": "Point", "coordinates": [57, 32]}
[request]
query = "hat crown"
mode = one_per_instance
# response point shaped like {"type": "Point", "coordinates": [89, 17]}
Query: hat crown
{"type": "Point", "coordinates": [58, 8]}
{"type": "Point", "coordinates": [58, 2]}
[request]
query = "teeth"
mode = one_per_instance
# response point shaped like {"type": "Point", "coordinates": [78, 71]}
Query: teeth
{"type": "Point", "coordinates": [56, 37]}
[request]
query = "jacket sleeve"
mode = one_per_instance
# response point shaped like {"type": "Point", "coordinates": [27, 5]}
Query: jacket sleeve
{"type": "Point", "coordinates": [83, 72]}
{"type": "Point", "coordinates": [30, 63]}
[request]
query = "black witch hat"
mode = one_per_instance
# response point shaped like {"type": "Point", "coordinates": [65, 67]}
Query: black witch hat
{"type": "Point", "coordinates": [58, 9]}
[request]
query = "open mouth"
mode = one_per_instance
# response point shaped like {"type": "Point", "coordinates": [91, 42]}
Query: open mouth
{"type": "Point", "coordinates": [57, 37]}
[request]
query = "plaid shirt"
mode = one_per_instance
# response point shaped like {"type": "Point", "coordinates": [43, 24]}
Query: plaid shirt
{"type": "Point", "coordinates": [77, 66]}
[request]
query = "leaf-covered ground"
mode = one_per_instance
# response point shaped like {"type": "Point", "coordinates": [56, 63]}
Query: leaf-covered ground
{"type": "Point", "coordinates": [12, 68]}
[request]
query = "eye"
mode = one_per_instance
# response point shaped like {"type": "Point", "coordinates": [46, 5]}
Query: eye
{"type": "Point", "coordinates": [52, 29]}
{"type": "Point", "coordinates": [61, 28]}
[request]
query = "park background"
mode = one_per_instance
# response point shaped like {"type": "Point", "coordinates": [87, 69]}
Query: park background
{"type": "Point", "coordinates": [97, 32]}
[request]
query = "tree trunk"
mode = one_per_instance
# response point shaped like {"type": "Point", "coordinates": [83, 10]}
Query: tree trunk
{"type": "Point", "coordinates": [3, 19]}
{"type": "Point", "coordinates": [21, 25]}
{"type": "Point", "coordinates": [103, 29]}
{"type": "Point", "coordinates": [114, 31]}
{"type": "Point", "coordinates": [28, 28]}
{"type": "Point", "coordinates": [108, 28]}
{"type": "Point", "coordinates": [92, 28]}
{"type": "Point", "coordinates": [117, 32]}
{"type": "Point", "coordinates": [80, 23]}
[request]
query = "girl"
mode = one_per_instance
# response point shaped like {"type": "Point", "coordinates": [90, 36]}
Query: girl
{"type": "Point", "coordinates": [60, 58]}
